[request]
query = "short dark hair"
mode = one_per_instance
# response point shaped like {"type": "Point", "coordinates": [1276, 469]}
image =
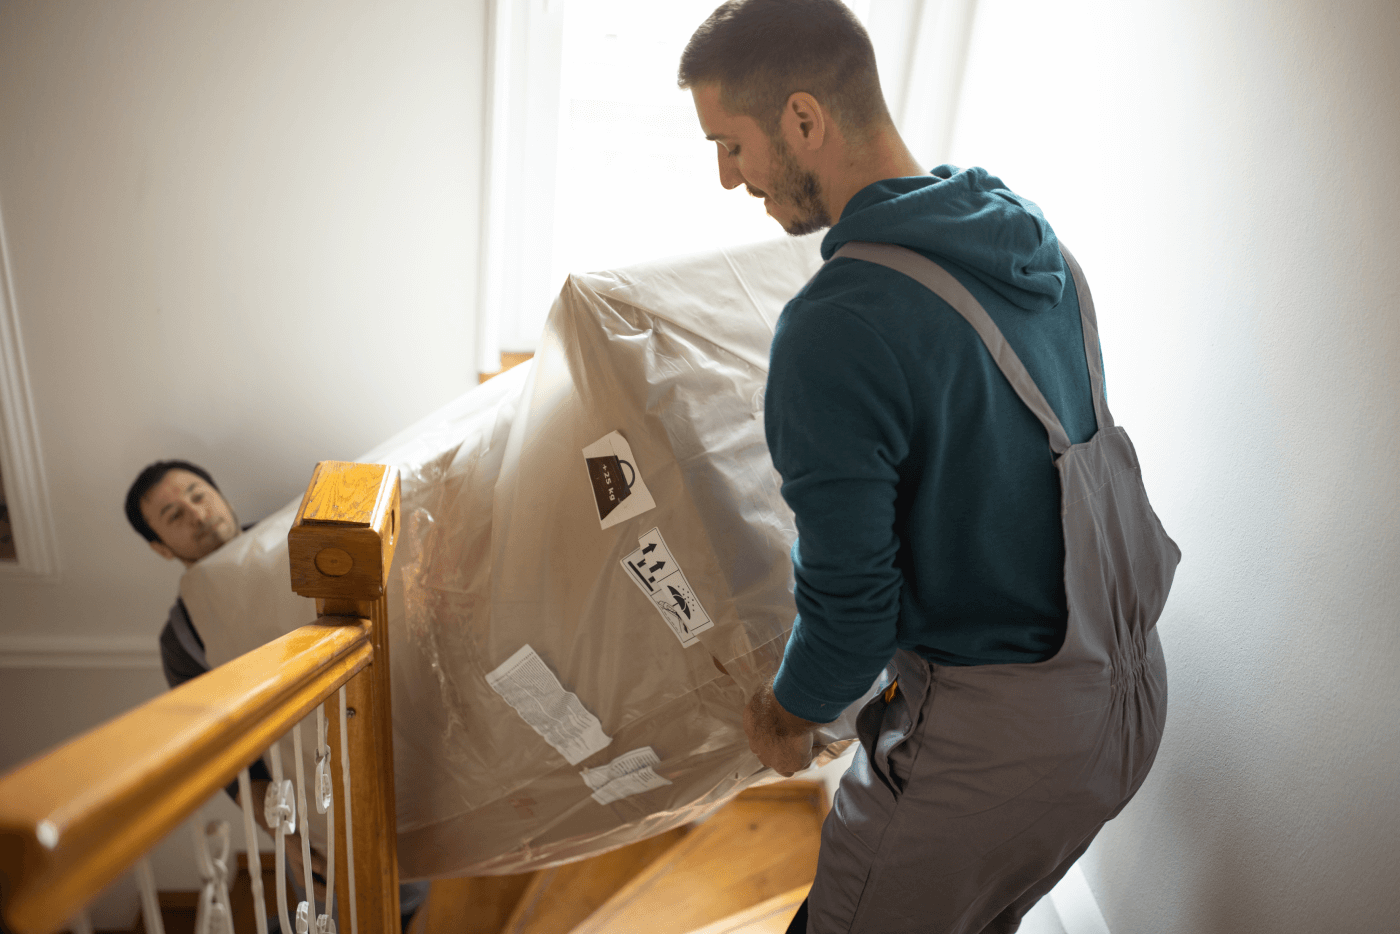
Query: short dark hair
{"type": "Point", "coordinates": [761, 52]}
{"type": "Point", "coordinates": [148, 478]}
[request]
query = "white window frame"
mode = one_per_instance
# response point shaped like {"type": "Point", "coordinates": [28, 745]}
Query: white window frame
{"type": "Point", "coordinates": [921, 46]}
{"type": "Point", "coordinates": [525, 40]}
{"type": "Point", "coordinates": [21, 457]}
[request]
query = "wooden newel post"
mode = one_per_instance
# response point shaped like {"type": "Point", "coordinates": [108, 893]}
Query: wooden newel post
{"type": "Point", "coordinates": [341, 547]}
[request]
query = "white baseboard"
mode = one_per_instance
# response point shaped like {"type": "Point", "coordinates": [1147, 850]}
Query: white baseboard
{"type": "Point", "coordinates": [114, 652]}
{"type": "Point", "coordinates": [1075, 904]}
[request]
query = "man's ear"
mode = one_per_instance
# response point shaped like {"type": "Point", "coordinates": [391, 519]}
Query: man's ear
{"type": "Point", "coordinates": [162, 549]}
{"type": "Point", "coordinates": [804, 121]}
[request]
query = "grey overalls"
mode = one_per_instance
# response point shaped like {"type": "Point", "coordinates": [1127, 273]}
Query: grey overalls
{"type": "Point", "coordinates": [975, 788]}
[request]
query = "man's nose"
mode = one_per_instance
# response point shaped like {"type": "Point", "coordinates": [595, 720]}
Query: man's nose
{"type": "Point", "coordinates": [729, 175]}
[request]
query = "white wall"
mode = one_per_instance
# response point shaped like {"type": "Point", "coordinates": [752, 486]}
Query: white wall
{"type": "Point", "coordinates": [1226, 171]}
{"type": "Point", "coordinates": [241, 234]}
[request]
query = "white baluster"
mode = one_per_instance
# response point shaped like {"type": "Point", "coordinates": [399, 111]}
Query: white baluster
{"type": "Point", "coordinates": [150, 902]}
{"type": "Point", "coordinates": [306, 910]}
{"type": "Point", "coordinates": [213, 915]}
{"type": "Point", "coordinates": [325, 804]}
{"type": "Point", "coordinates": [250, 848]}
{"type": "Point", "coordinates": [280, 811]}
{"type": "Point", "coordinates": [349, 827]}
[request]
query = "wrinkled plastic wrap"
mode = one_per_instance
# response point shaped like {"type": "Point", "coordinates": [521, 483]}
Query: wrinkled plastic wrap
{"type": "Point", "coordinates": [502, 548]}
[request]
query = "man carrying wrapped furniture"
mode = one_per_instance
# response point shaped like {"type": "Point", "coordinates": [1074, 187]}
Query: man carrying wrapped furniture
{"type": "Point", "coordinates": [969, 519]}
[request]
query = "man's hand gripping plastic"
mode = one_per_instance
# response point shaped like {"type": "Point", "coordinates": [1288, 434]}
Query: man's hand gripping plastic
{"type": "Point", "coordinates": [782, 741]}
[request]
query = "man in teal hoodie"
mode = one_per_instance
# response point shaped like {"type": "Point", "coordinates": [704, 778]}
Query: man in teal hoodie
{"type": "Point", "coordinates": [926, 499]}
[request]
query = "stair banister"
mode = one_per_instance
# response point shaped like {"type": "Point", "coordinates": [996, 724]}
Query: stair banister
{"type": "Point", "coordinates": [75, 818]}
{"type": "Point", "coordinates": [341, 548]}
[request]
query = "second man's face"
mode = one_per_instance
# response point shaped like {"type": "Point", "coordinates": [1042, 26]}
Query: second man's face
{"type": "Point", "coordinates": [190, 516]}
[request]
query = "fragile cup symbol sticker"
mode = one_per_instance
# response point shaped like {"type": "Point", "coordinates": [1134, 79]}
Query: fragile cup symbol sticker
{"type": "Point", "coordinates": [612, 482]}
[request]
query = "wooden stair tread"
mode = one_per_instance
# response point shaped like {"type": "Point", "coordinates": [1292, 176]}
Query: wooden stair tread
{"type": "Point", "coordinates": [767, 917]}
{"type": "Point", "coordinates": [471, 905]}
{"type": "Point", "coordinates": [762, 844]}
{"type": "Point", "coordinates": [509, 360]}
{"type": "Point", "coordinates": [558, 899]}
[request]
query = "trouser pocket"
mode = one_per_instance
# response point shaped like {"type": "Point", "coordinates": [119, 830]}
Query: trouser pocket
{"type": "Point", "coordinates": [884, 726]}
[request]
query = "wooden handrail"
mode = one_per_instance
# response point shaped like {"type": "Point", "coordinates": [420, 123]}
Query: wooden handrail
{"type": "Point", "coordinates": [78, 816]}
{"type": "Point", "coordinates": [74, 819]}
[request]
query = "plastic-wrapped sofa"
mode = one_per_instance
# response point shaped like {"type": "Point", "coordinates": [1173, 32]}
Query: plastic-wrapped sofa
{"type": "Point", "coordinates": [593, 574]}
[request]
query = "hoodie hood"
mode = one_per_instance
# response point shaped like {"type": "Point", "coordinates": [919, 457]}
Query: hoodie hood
{"type": "Point", "coordinates": [969, 217]}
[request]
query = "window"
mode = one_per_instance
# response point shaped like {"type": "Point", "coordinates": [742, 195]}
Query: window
{"type": "Point", "coordinates": [636, 179]}
{"type": "Point", "coordinates": [7, 535]}
{"type": "Point", "coordinates": [26, 523]}
{"type": "Point", "coordinates": [597, 159]}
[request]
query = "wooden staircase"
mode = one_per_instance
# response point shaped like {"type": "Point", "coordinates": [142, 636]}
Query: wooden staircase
{"type": "Point", "coordinates": [744, 870]}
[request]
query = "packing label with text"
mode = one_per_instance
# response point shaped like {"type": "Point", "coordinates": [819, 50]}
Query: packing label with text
{"type": "Point", "coordinates": [525, 682]}
{"type": "Point", "coordinates": [627, 775]}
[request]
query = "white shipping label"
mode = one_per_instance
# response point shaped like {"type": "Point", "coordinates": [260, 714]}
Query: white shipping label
{"type": "Point", "coordinates": [627, 775]}
{"type": "Point", "coordinates": [655, 572]}
{"type": "Point", "coordinates": [616, 480]}
{"type": "Point", "coordinates": [526, 683]}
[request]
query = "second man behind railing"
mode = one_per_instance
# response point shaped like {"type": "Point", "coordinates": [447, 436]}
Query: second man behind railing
{"type": "Point", "coordinates": [177, 507]}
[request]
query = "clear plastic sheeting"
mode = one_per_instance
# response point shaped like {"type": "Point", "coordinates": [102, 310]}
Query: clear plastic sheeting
{"type": "Point", "coordinates": [510, 603]}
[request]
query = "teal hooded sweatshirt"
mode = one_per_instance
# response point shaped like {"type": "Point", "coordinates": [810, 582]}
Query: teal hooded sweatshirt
{"type": "Point", "coordinates": [925, 492]}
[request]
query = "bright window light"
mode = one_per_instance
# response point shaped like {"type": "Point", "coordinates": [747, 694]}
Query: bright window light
{"type": "Point", "coordinates": [636, 180]}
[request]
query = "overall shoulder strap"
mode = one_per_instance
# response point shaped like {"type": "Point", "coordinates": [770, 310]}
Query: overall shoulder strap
{"type": "Point", "coordinates": [941, 283]}
{"type": "Point", "coordinates": [1089, 323]}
